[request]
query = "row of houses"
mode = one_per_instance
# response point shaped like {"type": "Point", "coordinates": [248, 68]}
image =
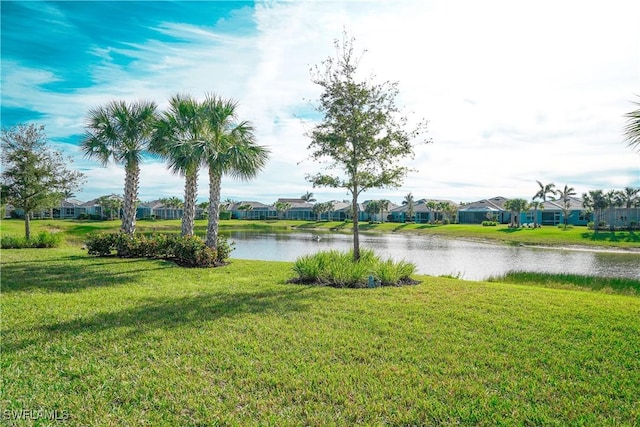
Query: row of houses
{"type": "Point", "coordinates": [424, 211]}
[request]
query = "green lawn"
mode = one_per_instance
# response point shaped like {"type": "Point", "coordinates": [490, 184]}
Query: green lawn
{"type": "Point", "coordinates": [142, 342]}
{"type": "Point", "coordinates": [76, 231]}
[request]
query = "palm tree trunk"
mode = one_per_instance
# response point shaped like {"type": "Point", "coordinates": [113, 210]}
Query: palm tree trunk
{"type": "Point", "coordinates": [132, 177]}
{"type": "Point", "coordinates": [215, 179]}
{"type": "Point", "coordinates": [190, 193]}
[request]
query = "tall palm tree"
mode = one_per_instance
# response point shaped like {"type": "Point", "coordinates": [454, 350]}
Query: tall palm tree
{"type": "Point", "coordinates": [632, 128]}
{"type": "Point", "coordinates": [630, 196]}
{"type": "Point", "coordinates": [121, 132]}
{"type": "Point", "coordinates": [544, 191]}
{"type": "Point", "coordinates": [516, 206]}
{"type": "Point", "coordinates": [564, 195]}
{"type": "Point", "coordinates": [308, 197]}
{"type": "Point", "coordinates": [410, 203]}
{"type": "Point", "coordinates": [536, 206]}
{"type": "Point", "coordinates": [230, 149]}
{"type": "Point", "coordinates": [384, 206]}
{"type": "Point", "coordinates": [178, 139]}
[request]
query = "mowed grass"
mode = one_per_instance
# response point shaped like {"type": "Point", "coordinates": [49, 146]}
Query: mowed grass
{"type": "Point", "coordinates": [76, 231]}
{"type": "Point", "coordinates": [142, 342]}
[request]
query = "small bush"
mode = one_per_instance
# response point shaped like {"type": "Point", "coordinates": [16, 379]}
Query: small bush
{"type": "Point", "coordinates": [186, 251]}
{"type": "Point", "coordinates": [489, 223]}
{"type": "Point", "coordinates": [192, 252]}
{"type": "Point", "coordinates": [41, 240]}
{"type": "Point", "coordinates": [335, 268]}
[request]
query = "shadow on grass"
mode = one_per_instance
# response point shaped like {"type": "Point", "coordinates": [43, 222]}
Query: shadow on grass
{"type": "Point", "coordinates": [163, 313]}
{"type": "Point", "coordinates": [70, 274]}
{"type": "Point", "coordinates": [612, 236]}
{"type": "Point", "coordinates": [510, 230]}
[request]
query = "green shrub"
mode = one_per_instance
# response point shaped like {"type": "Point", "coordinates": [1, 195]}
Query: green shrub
{"type": "Point", "coordinates": [390, 273]}
{"type": "Point", "coordinates": [186, 251]}
{"type": "Point", "coordinates": [101, 244]}
{"type": "Point", "coordinates": [191, 251]}
{"type": "Point", "coordinates": [489, 223]}
{"type": "Point", "coordinates": [335, 268]}
{"type": "Point", "coordinates": [41, 240]}
{"type": "Point", "coordinates": [224, 249]}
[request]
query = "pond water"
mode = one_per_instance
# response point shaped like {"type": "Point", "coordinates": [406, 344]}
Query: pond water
{"type": "Point", "coordinates": [439, 256]}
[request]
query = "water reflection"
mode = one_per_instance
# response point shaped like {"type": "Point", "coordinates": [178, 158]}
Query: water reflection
{"type": "Point", "coordinates": [440, 256]}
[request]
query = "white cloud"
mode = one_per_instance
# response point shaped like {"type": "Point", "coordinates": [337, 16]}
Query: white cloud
{"type": "Point", "coordinates": [514, 92]}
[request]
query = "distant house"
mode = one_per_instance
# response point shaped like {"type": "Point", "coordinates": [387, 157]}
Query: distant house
{"type": "Point", "coordinates": [482, 210]}
{"type": "Point", "coordinates": [252, 210]}
{"type": "Point", "coordinates": [552, 213]}
{"type": "Point", "coordinates": [298, 209]}
{"type": "Point", "coordinates": [422, 212]}
{"type": "Point", "coordinates": [69, 208]}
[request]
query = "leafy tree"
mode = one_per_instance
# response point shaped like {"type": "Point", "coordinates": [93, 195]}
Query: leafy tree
{"type": "Point", "coordinates": [33, 175]}
{"type": "Point", "coordinates": [410, 204]}
{"type": "Point", "coordinates": [632, 128]}
{"type": "Point", "coordinates": [516, 206]}
{"type": "Point", "coordinates": [320, 208]}
{"type": "Point", "coordinates": [110, 205]}
{"type": "Point", "coordinates": [308, 197]}
{"type": "Point", "coordinates": [230, 149]}
{"type": "Point", "coordinates": [281, 208]}
{"type": "Point", "coordinates": [433, 206]}
{"type": "Point", "coordinates": [121, 133]}
{"type": "Point", "coordinates": [178, 139]}
{"type": "Point", "coordinates": [361, 133]}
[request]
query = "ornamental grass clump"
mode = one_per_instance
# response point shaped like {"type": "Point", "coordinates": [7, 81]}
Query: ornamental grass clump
{"type": "Point", "coordinates": [337, 269]}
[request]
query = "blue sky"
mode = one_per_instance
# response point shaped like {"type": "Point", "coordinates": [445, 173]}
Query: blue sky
{"type": "Point", "coordinates": [514, 92]}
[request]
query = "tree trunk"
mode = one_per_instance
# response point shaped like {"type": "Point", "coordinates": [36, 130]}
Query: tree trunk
{"type": "Point", "coordinates": [190, 194]}
{"type": "Point", "coordinates": [356, 231]}
{"type": "Point", "coordinates": [27, 225]}
{"type": "Point", "coordinates": [215, 179]}
{"type": "Point", "coordinates": [132, 176]}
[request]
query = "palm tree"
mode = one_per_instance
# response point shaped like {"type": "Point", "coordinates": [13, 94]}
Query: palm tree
{"type": "Point", "coordinates": [230, 149]}
{"type": "Point", "coordinates": [630, 196]}
{"type": "Point", "coordinates": [372, 208]}
{"type": "Point", "coordinates": [409, 202]}
{"type": "Point", "coordinates": [516, 206]}
{"type": "Point", "coordinates": [544, 190]}
{"type": "Point", "coordinates": [178, 139]}
{"type": "Point", "coordinates": [281, 208]}
{"type": "Point", "coordinates": [383, 204]}
{"type": "Point", "coordinates": [433, 207]}
{"type": "Point", "coordinates": [121, 132]}
{"type": "Point", "coordinates": [632, 128]}
{"type": "Point", "coordinates": [595, 201]}
{"type": "Point", "coordinates": [536, 206]}
{"type": "Point", "coordinates": [565, 196]}
{"type": "Point", "coordinates": [308, 197]}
